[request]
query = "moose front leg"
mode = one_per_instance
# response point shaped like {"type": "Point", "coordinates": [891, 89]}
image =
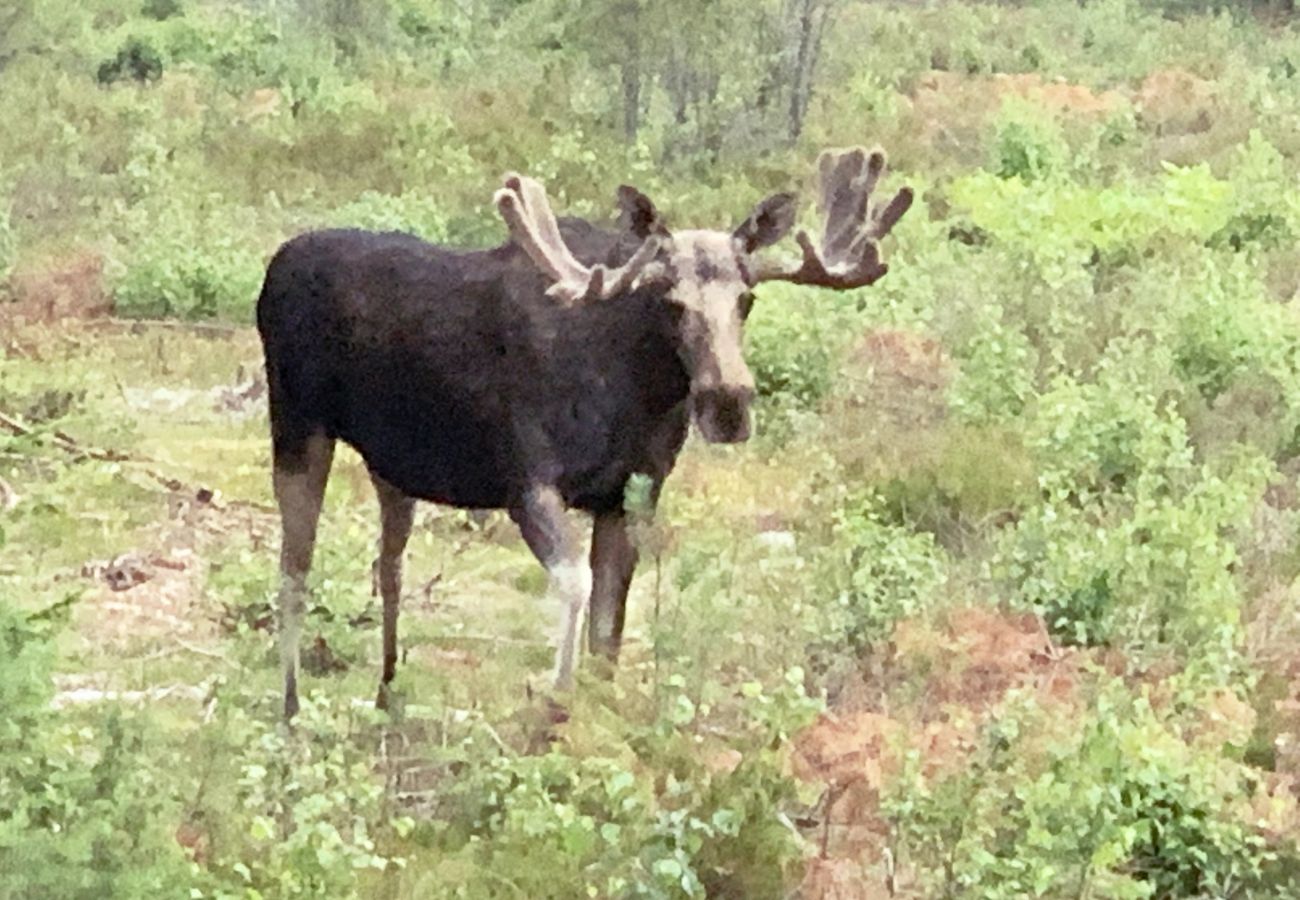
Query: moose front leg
{"type": "Point", "coordinates": [546, 530]}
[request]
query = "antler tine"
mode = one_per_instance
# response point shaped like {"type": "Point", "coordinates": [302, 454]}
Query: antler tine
{"type": "Point", "coordinates": [849, 255]}
{"type": "Point", "coordinates": [527, 213]}
{"type": "Point", "coordinates": [842, 199]}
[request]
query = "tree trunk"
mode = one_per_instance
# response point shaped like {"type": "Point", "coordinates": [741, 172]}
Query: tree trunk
{"type": "Point", "coordinates": [630, 73]}
{"type": "Point", "coordinates": [631, 78]}
{"type": "Point", "coordinates": [798, 88]}
{"type": "Point", "coordinates": [809, 26]}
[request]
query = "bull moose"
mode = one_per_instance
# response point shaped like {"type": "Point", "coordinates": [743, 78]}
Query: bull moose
{"type": "Point", "coordinates": [535, 377]}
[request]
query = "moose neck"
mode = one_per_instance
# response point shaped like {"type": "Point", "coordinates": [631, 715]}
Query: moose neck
{"type": "Point", "coordinates": [628, 344]}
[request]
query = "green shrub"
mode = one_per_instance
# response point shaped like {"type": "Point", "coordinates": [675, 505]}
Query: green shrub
{"type": "Point", "coordinates": [414, 212]}
{"type": "Point", "coordinates": [996, 378]}
{"type": "Point", "coordinates": [1132, 542]}
{"type": "Point", "coordinates": [189, 262]}
{"type": "Point", "coordinates": [885, 573]}
{"type": "Point", "coordinates": [644, 813]}
{"type": "Point", "coordinates": [1028, 144]}
{"type": "Point", "coordinates": [792, 341]}
{"type": "Point", "coordinates": [81, 811]}
{"type": "Point", "coordinates": [310, 804]}
{"type": "Point", "coordinates": [1109, 801]}
{"type": "Point", "coordinates": [137, 60]}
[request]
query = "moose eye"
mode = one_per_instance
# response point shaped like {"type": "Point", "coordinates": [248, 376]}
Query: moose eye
{"type": "Point", "coordinates": [746, 304]}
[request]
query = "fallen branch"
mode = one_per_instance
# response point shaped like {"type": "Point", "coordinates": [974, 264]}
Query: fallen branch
{"type": "Point", "coordinates": [167, 324]}
{"type": "Point", "coordinates": [487, 639]}
{"type": "Point", "coordinates": [8, 496]}
{"type": "Point", "coordinates": [65, 442]}
{"type": "Point", "coordinates": [82, 696]}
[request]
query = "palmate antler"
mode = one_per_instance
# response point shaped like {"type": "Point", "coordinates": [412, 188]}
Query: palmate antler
{"type": "Point", "coordinates": [849, 255]}
{"type": "Point", "coordinates": [527, 213]}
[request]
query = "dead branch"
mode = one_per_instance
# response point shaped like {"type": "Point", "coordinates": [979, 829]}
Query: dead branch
{"type": "Point", "coordinates": [70, 445]}
{"type": "Point", "coordinates": [8, 496]}
{"type": "Point", "coordinates": [138, 325]}
{"type": "Point", "coordinates": [82, 696]}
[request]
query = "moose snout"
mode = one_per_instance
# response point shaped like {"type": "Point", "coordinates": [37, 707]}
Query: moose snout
{"type": "Point", "coordinates": [722, 413]}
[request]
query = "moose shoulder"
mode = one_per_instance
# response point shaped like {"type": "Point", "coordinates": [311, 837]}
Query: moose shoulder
{"type": "Point", "coordinates": [534, 377]}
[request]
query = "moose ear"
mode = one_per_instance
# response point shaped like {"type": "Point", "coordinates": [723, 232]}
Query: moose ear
{"type": "Point", "coordinates": [637, 214]}
{"type": "Point", "coordinates": [767, 224]}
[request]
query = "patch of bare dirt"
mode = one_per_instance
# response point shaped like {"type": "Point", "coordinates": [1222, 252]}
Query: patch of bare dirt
{"type": "Point", "coordinates": [1174, 101]}
{"type": "Point", "coordinates": [70, 286]}
{"type": "Point", "coordinates": [154, 595]}
{"type": "Point", "coordinates": [937, 91]}
{"type": "Point", "coordinates": [951, 108]}
{"type": "Point", "coordinates": [960, 671]}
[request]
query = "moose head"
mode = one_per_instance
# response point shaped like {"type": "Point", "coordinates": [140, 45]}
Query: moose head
{"type": "Point", "coordinates": [706, 278]}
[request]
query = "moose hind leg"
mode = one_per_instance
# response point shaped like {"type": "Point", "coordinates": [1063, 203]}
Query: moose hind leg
{"type": "Point", "coordinates": [613, 560]}
{"type": "Point", "coordinates": [546, 530]}
{"type": "Point", "coordinates": [396, 516]}
{"type": "Point", "coordinates": [299, 481]}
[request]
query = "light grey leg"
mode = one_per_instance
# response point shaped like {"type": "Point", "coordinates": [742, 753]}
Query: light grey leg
{"type": "Point", "coordinates": [546, 530]}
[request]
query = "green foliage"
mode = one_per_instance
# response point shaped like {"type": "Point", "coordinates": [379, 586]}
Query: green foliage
{"type": "Point", "coordinates": [653, 815]}
{"type": "Point", "coordinates": [80, 816]}
{"type": "Point", "coordinates": [161, 9]}
{"type": "Point", "coordinates": [1061, 220]}
{"type": "Point", "coordinates": [1099, 435]}
{"type": "Point", "coordinates": [1108, 803]}
{"type": "Point", "coordinates": [310, 804]}
{"type": "Point", "coordinates": [996, 379]}
{"type": "Point", "coordinates": [888, 572]}
{"type": "Point", "coordinates": [412, 212]}
{"type": "Point", "coordinates": [189, 265]}
{"type": "Point", "coordinates": [1133, 541]}
{"type": "Point", "coordinates": [1028, 145]}
{"type": "Point", "coordinates": [137, 60]}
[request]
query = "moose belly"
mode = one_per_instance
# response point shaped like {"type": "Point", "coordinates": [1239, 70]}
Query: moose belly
{"type": "Point", "coordinates": [481, 452]}
{"type": "Point", "coordinates": [434, 451]}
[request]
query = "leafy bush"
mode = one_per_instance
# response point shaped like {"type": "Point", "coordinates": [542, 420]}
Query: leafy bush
{"type": "Point", "coordinates": [792, 342]}
{"type": "Point", "coordinates": [997, 374]}
{"type": "Point", "coordinates": [567, 824]}
{"type": "Point", "coordinates": [313, 808]}
{"type": "Point", "coordinates": [81, 814]}
{"type": "Point", "coordinates": [886, 573]}
{"type": "Point", "coordinates": [1132, 542]}
{"type": "Point", "coordinates": [189, 265]}
{"type": "Point", "coordinates": [1061, 221]}
{"type": "Point", "coordinates": [137, 60]}
{"type": "Point", "coordinates": [412, 212]}
{"type": "Point", "coordinates": [1108, 801]}
{"type": "Point", "coordinates": [1028, 145]}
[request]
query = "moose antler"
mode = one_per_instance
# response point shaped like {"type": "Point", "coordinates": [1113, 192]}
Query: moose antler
{"type": "Point", "coordinates": [849, 256]}
{"type": "Point", "coordinates": [527, 213]}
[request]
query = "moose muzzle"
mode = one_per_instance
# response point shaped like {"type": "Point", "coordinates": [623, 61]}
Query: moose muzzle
{"type": "Point", "coordinates": [722, 412]}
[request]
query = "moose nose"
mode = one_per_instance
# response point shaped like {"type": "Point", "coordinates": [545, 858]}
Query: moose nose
{"type": "Point", "coordinates": [723, 413]}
